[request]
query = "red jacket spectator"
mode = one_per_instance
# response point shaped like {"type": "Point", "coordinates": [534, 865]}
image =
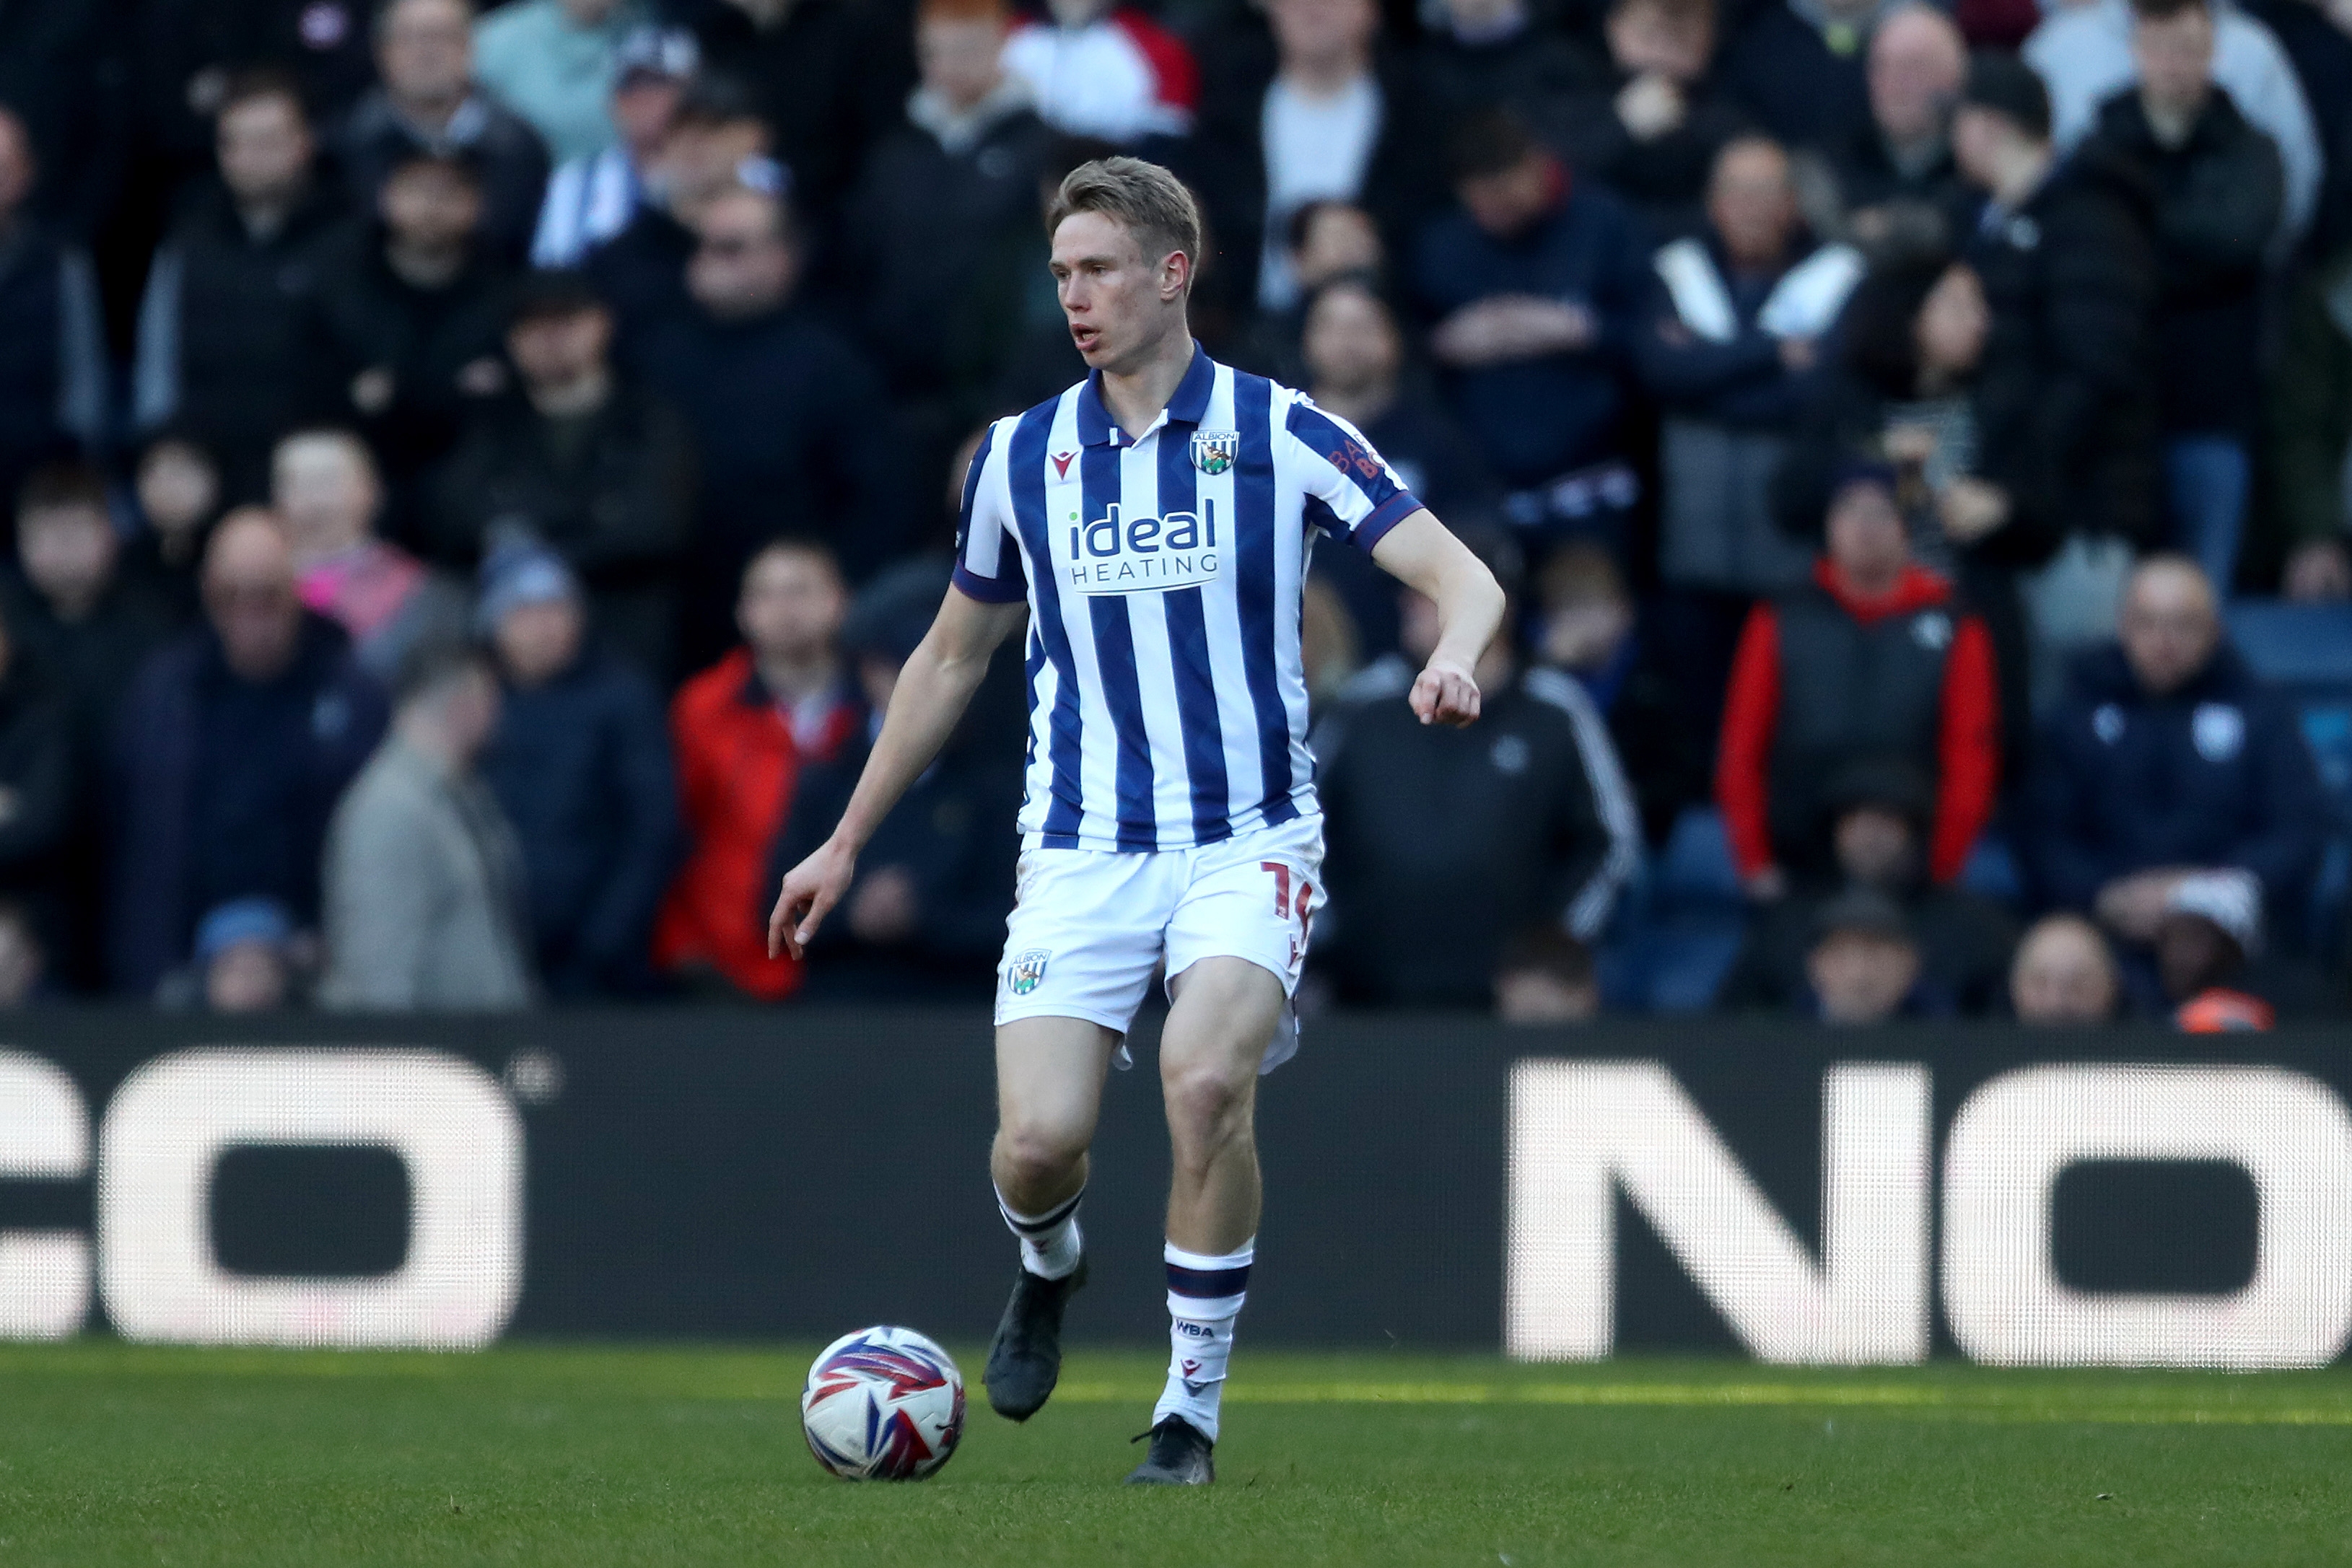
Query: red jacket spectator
{"type": "Point", "coordinates": [737, 767]}
{"type": "Point", "coordinates": [1902, 672]}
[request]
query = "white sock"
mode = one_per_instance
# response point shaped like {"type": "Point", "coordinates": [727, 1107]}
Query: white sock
{"type": "Point", "coordinates": [1204, 1298]}
{"type": "Point", "coordinates": [1050, 1243]}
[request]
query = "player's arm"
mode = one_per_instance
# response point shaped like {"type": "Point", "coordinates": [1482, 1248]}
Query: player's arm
{"type": "Point", "coordinates": [932, 692]}
{"type": "Point", "coordinates": [1423, 553]}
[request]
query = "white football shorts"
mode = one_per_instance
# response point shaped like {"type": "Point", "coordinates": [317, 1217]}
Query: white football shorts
{"type": "Point", "coordinates": [1090, 927]}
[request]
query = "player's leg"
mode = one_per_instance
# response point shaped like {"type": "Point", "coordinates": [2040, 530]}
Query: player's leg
{"type": "Point", "coordinates": [1049, 1079]}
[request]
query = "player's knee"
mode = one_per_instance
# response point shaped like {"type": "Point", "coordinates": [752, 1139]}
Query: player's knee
{"type": "Point", "coordinates": [1208, 1104]}
{"type": "Point", "coordinates": [1038, 1153]}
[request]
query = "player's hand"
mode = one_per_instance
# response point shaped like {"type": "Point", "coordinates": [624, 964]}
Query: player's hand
{"type": "Point", "coordinates": [811, 890]}
{"type": "Point", "coordinates": [1445, 694]}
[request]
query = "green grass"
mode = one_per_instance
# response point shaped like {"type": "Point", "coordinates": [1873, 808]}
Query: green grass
{"type": "Point", "coordinates": [527, 1454]}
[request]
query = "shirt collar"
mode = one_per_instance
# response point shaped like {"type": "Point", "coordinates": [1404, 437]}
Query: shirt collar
{"type": "Point", "coordinates": [1190, 405]}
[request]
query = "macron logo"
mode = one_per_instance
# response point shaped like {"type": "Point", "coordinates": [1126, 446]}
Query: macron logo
{"type": "Point", "coordinates": [1061, 463]}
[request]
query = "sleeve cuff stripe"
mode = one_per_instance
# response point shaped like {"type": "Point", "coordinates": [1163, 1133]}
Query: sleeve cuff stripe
{"type": "Point", "coordinates": [1384, 517]}
{"type": "Point", "coordinates": [988, 591]}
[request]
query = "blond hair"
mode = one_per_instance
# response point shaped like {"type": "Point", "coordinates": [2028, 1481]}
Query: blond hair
{"type": "Point", "coordinates": [1145, 199]}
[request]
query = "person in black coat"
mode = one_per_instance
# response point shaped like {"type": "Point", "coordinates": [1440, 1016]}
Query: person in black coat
{"type": "Point", "coordinates": [228, 756]}
{"type": "Point", "coordinates": [1482, 56]}
{"type": "Point", "coordinates": [52, 354]}
{"type": "Point", "coordinates": [220, 349]}
{"type": "Point", "coordinates": [584, 459]}
{"type": "Point", "coordinates": [1893, 188]}
{"type": "Point", "coordinates": [403, 327]}
{"type": "Point", "coordinates": [1651, 132]}
{"type": "Point", "coordinates": [2167, 756]}
{"type": "Point", "coordinates": [428, 104]}
{"type": "Point", "coordinates": [581, 765]}
{"type": "Point", "coordinates": [2221, 193]}
{"type": "Point", "coordinates": [1796, 67]}
{"type": "Point", "coordinates": [793, 433]}
{"type": "Point", "coordinates": [2066, 400]}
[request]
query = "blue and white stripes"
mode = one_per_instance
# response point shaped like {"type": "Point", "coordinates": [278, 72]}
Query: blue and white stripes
{"type": "Point", "coordinates": [1164, 572]}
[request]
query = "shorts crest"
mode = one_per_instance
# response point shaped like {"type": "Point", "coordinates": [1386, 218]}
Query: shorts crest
{"type": "Point", "coordinates": [1026, 970]}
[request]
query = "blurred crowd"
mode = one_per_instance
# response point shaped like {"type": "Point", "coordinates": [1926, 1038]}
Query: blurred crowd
{"type": "Point", "coordinates": [477, 473]}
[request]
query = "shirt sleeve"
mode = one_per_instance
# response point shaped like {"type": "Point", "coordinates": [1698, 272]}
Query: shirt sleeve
{"type": "Point", "coordinates": [987, 557]}
{"type": "Point", "coordinates": [1362, 496]}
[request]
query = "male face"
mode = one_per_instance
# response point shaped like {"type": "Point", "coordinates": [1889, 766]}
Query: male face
{"type": "Point", "coordinates": [1875, 847]}
{"type": "Point", "coordinates": [2170, 625]}
{"type": "Point", "coordinates": [699, 161]}
{"type": "Point", "coordinates": [68, 552]}
{"type": "Point", "coordinates": [430, 205]}
{"type": "Point", "coordinates": [1349, 343]}
{"type": "Point", "coordinates": [958, 57]}
{"type": "Point", "coordinates": [1981, 142]}
{"type": "Point", "coordinates": [1752, 203]}
{"type": "Point", "coordinates": [743, 266]}
{"type": "Point", "coordinates": [1338, 239]}
{"type": "Point", "coordinates": [245, 977]}
{"type": "Point", "coordinates": [249, 595]}
{"type": "Point", "coordinates": [425, 51]}
{"type": "Point", "coordinates": [1917, 63]}
{"type": "Point", "coordinates": [325, 491]}
{"type": "Point", "coordinates": [1650, 39]}
{"type": "Point", "coordinates": [1319, 31]}
{"type": "Point", "coordinates": [264, 145]}
{"type": "Point", "coordinates": [1508, 201]}
{"type": "Point", "coordinates": [15, 165]}
{"type": "Point", "coordinates": [1866, 541]}
{"type": "Point", "coordinates": [2062, 976]}
{"type": "Point", "coordinates": [538, 642]}
{"type": "Point", "coordinates": [643, 103]}
{"type": "Point", "coordinates": [560, 349]}
{"type": "Point", "coordinates": [2176, 59]}
{"type": "Point", "coordinates": [1861, 976]}
{"type": "Point", "coordinates": [791, 607]}
{"type": "Point", "coordinates": [1117, 300]}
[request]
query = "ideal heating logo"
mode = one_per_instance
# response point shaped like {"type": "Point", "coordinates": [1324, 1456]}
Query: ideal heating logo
{"type": "Point", "coordinates": [1115, 554]}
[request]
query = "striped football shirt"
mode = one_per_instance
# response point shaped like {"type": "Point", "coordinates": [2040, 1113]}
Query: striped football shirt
{"type": "Point", "coordinates": [1164, 572]}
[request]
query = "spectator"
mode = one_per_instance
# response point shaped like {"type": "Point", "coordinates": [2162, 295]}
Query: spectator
{"type": "Point", "coordinates": [2169, 757]}
{"type": "Point", "coordinates": [428, 106]}
{"type": "Point", "coordinates": [582, 766]}
{"type": "Point", "coordinates": [717, 143]}
{"type": "Point", "coordinates": [1864, 965]}
{"type": "Point", "coordinates": [325, 487]}
{"type": "Point", "coordinates": [182, 65]}
{"type": "Point", "coordinates": [1730, 348]}
{"type": "Point", "coordinates": [2218, 199]}
{"type": "Point", "coordinates": [1480, 833]}
{"type": "Point", "coordinates": [591, 198]}
{"type": "Point", "coordinates": [245, 957]}
{"type": "Point", "coordinates": [1653, 130]}
{"type": "Point", "coordinates": [1796, 65]}
{"type": "Point", "coordinates": [1105, 69]}
{"type": "Point", "coordinates": [938, 196]}
{"type": "Point", "coordinates": [404, 322]}
{"type": "Point", "coordinates": [1893, 190]}
{"type": "Point", "coordinates": [1483, 56]}
{"type": "Point", "coordinates": [1546, 977]}
{"type": "Point", "coordinates": [1879, 817]}
{"type": "Point", "coordinates": [818, 74]}
{"type": "Point", "coordinates": [582, 459]}
{"type": "Point", "coordinates": [794, 433]}
{"type": "Point", "coordinates": [925, 919]}
{"type": "Point", "coordinates": [2065, 402]}
{"type": "Point", "coordinates": [2082, 52]}
{"type": "Point", "coordinates": [554, 62]}
{"type": "Point", "coordinates": [2317, 40]}
{"type": "Point", "coordinates": [1323, 243]}
{"type": "Point", "coordinates": [2310, 432]}
{"type": "Point", "coordinates": [231, 750]}
{"type": "Point", "coordinates": [744, 731]}
{"type": "Point", "coordinates": [1881, 665]}
{"type": "Point", "coordinates": [24, 963]}
{"type": "Point", "coordinates": [52, 347]}
{"type": "Point", "coordinates": [1355, 361]}
{"type": "Point", "coordinates": [1533, 281]}
{"type": "Point", "coordinates": [178, 488]}
{"type": "Point", "coordinates": [1322, 116]}
{"type": "Point", "coordinates": [2065, 974]}
{"type": "Point", "coordinates": [220, 354]}
{"type": "Point", "coordinates": [2210, 930]}
{"type": "Point", "coordinates": [424, 900]}
{"type": "Point", "coordinates": [42, 775]}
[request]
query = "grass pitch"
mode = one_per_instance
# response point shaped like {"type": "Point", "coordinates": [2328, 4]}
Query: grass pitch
{"type": "Point", "coordinates": [530, 1456]}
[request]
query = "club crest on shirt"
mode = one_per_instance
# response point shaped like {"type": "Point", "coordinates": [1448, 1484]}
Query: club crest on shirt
{"type": "Point", "coordinates": [1213, 451]}
{"type": "Point", "coordinates": [1026, 971]}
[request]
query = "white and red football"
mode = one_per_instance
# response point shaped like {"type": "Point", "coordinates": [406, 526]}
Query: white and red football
{"type": "Point", "coordinates": [882, 1405]}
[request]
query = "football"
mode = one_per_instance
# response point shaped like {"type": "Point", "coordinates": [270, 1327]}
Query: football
{"type": "Point", "coordinates": [882, 1405]}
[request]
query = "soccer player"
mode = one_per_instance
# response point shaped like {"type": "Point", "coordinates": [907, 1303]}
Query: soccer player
{"type": "Point", "coordinates": [1155, 520]}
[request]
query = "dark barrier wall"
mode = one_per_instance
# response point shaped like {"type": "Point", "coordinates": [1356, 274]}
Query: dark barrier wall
{"type": "Point", "coordinates": [1430, 1183]}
